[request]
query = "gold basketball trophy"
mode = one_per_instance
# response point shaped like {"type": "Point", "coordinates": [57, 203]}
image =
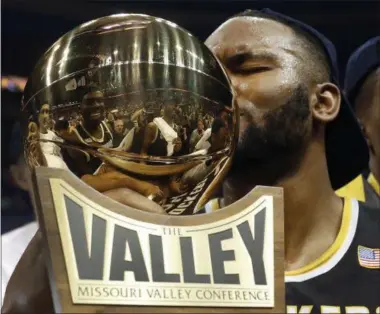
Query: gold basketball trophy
{"type": "Point", "coordinates": [130, 128]}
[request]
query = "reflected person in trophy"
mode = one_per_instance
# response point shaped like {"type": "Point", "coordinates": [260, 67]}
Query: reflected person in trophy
{"type": "Point", "coordinates": [94, 132]}
{"type": "Point", "coordinates": [197, 134]}
{"type": "Point", "coordinates": [218, 139]}
{"type": "Point", "coordinates": [133, 141]}
{"type": "Point", "coordinates": [118, 132]}
{"type": "Point", "coordinates": [35, 155]}
{"type": "Point", "coordinates": [51, 150]}
{"type": "Point", "coordinates": [161, 137]}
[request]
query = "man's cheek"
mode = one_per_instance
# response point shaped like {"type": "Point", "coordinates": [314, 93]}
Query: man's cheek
{"type": "Point", "coordinates": [270, 89]}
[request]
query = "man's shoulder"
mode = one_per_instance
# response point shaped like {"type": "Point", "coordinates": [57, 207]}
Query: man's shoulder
{"type": "Point", "coordinates": [349, 275]}
{"type": "Point", "coordinates": [353, 189]}
{"type": "Point", "coordinates": [360, 189]}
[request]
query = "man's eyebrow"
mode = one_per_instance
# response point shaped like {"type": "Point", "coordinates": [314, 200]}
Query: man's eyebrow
{"type": "Point", "coordinates": [293, 52]}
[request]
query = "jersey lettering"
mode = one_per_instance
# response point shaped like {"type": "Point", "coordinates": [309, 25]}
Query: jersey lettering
{"type": "Point", "coordinates": [356, 310]}
{"type": "Point", "coordinates": [329, 309]}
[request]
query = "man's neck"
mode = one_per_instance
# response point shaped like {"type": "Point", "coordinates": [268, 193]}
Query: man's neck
{"type": "Point", "coordinates": [91, 126]}
{"type": "Point", "coordinates": [311, 208]}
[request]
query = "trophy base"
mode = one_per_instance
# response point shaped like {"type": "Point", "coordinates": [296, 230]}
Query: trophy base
{"type": "Point", "coordinates": [107, 258]}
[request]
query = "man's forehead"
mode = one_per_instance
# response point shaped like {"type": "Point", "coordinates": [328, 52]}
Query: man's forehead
{"type": "Point", "coordinates": [241, 34]}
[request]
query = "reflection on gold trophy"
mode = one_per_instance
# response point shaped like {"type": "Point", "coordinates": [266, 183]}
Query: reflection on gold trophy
{"type": "Point", "coordinates": [124, 122]}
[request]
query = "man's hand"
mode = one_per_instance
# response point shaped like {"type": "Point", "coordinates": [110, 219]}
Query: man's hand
{"type": "Point", "coordinates": [28, 289]}
{"type": "Point", "coordinates": [153, 192]}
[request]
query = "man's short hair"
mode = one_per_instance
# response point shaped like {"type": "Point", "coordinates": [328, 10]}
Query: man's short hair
{"type": "Point", "coordinates": [321, 66]}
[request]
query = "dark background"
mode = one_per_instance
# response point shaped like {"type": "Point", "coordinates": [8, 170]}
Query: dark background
{"type": "Point", "coordinates": [30, 27]}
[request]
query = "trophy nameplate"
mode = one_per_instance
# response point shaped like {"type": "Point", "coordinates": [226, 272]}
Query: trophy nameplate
{"type": "Point", "coordinates": [106, 257]}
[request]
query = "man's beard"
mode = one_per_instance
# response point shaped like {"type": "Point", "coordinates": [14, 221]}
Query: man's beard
{"type": "Point", "coordinates": [274, 149]}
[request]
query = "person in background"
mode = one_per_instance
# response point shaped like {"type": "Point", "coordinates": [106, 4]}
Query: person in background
{"type": "Point", "coordinates": [184, 138]}
{"type": "Point", "coordinates": [110, 118]}
{"type": "Point", "coordinates": [161, 136]}
{"type": "Point", "coordinates": [196, 135]}
{"type": "Point", "coordinates": [218, 139]}
{"type": "Point", "coordinates": [204, 141]}
{"type": "Point", "coordinates": [118, 132]}
{"type": "Point", "coordinates": [362, 87]}
{"type": "Point", "coordinates": [18, 224]}
{"type": "Point", "coordinates": [134, 138]}
{"type": "Point", "coordinates": [128, 124]}
{"type": "Point", "coordinates": [51, 151]}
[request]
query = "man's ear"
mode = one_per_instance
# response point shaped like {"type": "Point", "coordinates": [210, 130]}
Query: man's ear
{"type": "Point", "coordinates": [326, 102]}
